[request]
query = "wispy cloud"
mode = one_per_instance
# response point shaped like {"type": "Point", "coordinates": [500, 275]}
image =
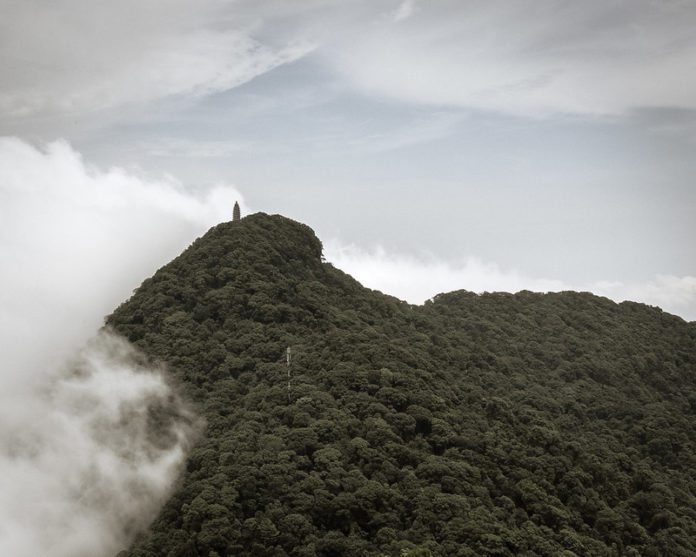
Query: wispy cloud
{"type": "Point", "coordinates": [204, 149]}
{"type": "Point", "coordinates": [405, 10]}
{"type": "Point", "coordinates": [423, 129]}
{"type": "Point", "coordinates": [73, 58]}
{"type": "Point", "coordinates": [530, 57]}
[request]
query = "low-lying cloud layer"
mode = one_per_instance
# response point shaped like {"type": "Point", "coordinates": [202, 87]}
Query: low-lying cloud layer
{"type": "Point", "coordinates": [80, 462]}
{"type": "Point", "coordinates": [417, 279]}
{"type": "Point", "coordinates": [76, 240]}
{"type": "Point", "coordinates": [87, 459]}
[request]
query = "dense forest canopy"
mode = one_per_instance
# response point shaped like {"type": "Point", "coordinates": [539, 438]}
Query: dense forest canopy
{"type": "Point", "coordinates": [493, 424]}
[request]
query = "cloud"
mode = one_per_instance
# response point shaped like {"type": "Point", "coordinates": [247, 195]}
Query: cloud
{"type": "Point", "coordinates": [416, 279]}
{"type": "Point", "coordinates": [423, 129]}
{"type": "Point", "coordinates": [75, 241]}
{"type": "Point", "coordinates": [530, 57]}
{"type": "Point", "coordinates": [405, 10]}
{"type": "Point", "coordinates": [75, 58]}
{"type": "Point", "coordinates": [673, 294]}
{"type": "Point", "coordinates": [87, 460]}
{"type": "Point", "coordinates": [179, 147]}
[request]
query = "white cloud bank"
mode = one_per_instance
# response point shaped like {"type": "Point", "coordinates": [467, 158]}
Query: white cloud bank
{"type": "Point", "coordinates": [74, 242]}
{"type": "Point", "coordinates": [418, 279]}
{"type": "Point", "coordinates": [87, 460]}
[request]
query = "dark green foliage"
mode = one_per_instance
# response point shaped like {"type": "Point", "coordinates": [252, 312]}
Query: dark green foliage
{"type": "Point", "coordinates": [495, 424]}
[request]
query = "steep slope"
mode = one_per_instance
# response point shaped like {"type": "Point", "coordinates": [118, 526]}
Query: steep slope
{"type": "Point", "coordinates": [495, 424]}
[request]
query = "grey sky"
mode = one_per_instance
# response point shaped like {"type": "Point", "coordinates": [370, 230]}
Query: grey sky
{"type": "Point", "coordinates": [433, 145]}
{"type": "Point", "coordinates": [553, 139]}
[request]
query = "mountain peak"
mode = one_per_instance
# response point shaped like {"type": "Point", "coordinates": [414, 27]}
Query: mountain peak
{"type": "Point", "coordinates": [266, 236]}
{"type": "Point", "coordinates": [498, 424]}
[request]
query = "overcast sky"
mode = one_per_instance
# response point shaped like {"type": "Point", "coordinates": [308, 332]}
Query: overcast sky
{"type": "Point", "coordinates": [433, 145]}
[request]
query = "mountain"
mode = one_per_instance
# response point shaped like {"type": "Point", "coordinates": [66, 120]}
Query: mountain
{"type": "Point", "coordinates": [493, 424]}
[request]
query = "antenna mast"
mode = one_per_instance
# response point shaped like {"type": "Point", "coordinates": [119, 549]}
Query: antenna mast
{"type": "Point", "coordinates": [287, 361]}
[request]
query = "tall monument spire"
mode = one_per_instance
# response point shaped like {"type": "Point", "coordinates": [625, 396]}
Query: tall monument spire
{"type": "Point", "coordinates": [235, 213]}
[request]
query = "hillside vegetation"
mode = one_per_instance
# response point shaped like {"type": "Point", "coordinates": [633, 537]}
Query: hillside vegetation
{"type": "Point", "coordinates": [494, 424]}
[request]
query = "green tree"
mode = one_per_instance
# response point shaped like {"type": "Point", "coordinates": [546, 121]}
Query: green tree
{"type": "Point", "coordinates": [494, 424]}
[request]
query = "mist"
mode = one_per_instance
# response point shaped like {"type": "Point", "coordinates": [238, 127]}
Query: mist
{"type": "Point", "coordinates": [91, 435]}
{"type": "Point", "coordinates": [87, 460]}
{"type": "Point", "coordinates": [418, 278]}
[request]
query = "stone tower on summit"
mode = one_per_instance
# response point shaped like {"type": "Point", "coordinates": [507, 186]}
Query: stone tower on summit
{"type": "Point", "coordinates": [235, 212]}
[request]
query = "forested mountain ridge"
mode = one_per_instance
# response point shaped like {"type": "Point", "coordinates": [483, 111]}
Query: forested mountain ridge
{"type": "Point", "coordinates": [494, 424]}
